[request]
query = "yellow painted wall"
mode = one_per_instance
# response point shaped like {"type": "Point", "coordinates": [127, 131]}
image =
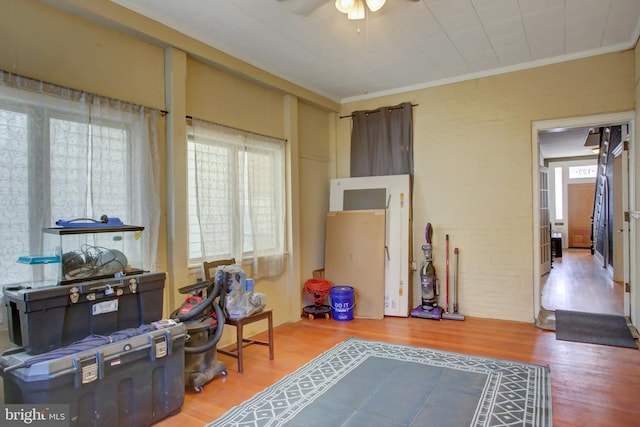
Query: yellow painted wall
{"type": "Point", "coordinates": [472, 149]}
{"type": "Point", "coordinates": [473, 168]}
{"type": "Point", "coordinates": [45, 43]}
{"type": "Point", "coordinates": [314, 126]}
{"type": "Point", "coordinates": [222, 98]}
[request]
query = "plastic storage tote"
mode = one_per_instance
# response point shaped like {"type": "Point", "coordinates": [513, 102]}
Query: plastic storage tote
{"type": "Point", "coordinates": [133, 382]}
{"type": "Point", "coordinates": [41, 319]}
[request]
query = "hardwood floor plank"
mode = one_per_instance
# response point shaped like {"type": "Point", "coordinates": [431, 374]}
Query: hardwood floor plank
{"type": "Point", "coordinates": [578, 282]}
{"type": "Point", "coordinates": [591, 385]}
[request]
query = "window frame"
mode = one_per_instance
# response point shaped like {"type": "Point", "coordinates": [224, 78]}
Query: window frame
{"type": "Point", "coordinates": [193, 224]}
{"type": "Point", "coordinates": [39, 123]}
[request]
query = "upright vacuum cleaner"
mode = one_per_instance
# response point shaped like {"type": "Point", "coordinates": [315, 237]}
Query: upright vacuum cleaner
{"type": "Point", "coordinates": [204, 319]}
{"type": "Point", "coordinates": [429, 308]}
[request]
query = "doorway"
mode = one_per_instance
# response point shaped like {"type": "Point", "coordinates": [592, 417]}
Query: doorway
{"type": "Point", "coordinates": [542, 315]}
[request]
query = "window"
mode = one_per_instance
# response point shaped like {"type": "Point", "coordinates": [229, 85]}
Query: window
{"type": "Point", "coordinates": [236, 196]}
{"type": "Point", "coordinates": [589, 171]}
{"type": "Point", "coordinates": [65, 154]}
{"type": "Point", "coordinates": [77, 167]}
{"type": "Point", "coordinates": [558, 193]}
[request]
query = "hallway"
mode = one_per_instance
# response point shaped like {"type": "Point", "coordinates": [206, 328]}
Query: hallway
{"type": "Point", "coordinates": [578, 282]}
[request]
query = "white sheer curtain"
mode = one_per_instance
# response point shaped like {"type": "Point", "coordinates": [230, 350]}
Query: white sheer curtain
{"type": "Point", "coordinates": [240, 195]}
{"type": "Point", "coordinates": [68, 154]}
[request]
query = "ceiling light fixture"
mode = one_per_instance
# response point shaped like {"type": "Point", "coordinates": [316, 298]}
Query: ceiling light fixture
{"type": "Point", "coordinates": [355, 8]}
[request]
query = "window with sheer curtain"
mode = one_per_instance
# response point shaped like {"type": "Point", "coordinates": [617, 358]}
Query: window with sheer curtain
{"type": "Point", "coordinates": [67, 154]}
{"type": "Point", "coordinates": [236, 197]}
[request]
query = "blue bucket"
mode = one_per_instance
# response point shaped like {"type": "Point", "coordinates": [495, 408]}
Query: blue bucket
{"type": "Point", "coordinates": [342, 302]}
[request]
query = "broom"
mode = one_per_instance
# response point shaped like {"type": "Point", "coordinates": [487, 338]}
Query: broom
{"type": "Point", "coordinates": [454, 290]}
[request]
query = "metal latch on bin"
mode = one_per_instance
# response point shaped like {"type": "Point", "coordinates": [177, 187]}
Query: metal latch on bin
{"type": "Point", "coordinates": [133, 285]}
{"type": "Point", "coordinates": [74, 294]}
{"type": "Point", "coordinates": [111, 291]}
{"type": "Point", "coordinates": [87, 370]}
{"type": "Point", "coordinates": [160, 346]}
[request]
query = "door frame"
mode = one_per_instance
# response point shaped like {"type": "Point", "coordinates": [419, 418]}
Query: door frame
{"type": "Point", "coordinates": [626, 117]}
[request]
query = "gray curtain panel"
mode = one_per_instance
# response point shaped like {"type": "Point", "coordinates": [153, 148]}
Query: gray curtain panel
{"type": "Point", "coordinates": [382, 141]}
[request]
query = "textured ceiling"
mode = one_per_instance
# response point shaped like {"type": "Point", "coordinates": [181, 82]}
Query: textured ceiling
{"type": "Point", "coordinates": [406, 45]}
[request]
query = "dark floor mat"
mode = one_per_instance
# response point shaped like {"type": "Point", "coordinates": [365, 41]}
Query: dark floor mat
{"type": "Point", "coordinates": [605, 329]}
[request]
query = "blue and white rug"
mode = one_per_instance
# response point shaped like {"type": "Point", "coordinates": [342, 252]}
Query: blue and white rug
{"type": "Point", "coordinates": [368, 383]}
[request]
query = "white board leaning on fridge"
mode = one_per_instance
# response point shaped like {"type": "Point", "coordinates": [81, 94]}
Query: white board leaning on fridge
{"type": "Point", "coordinates": [393, 193]}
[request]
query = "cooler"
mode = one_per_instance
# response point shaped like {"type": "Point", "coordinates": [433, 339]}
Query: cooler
{"type": "Point", "coordinates": [133, 382]}
{"type": "Point", "coordinates": [43, 318]}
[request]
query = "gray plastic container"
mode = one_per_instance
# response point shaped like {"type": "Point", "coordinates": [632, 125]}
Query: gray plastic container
{"type": "Point", "coordinates": [134, 382]}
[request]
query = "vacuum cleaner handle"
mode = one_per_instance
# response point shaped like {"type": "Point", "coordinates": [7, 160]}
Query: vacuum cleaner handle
{"type": "Point", "coordinates": [196, 287]}
{"type": "Point", "coordinates": [428, 232]}
{"type": "Point", "coordinates": [455, 279]}
{"type": "Point", "coordinates": [211, 296]}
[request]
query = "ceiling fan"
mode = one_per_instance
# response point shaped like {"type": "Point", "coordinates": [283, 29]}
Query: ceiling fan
{"type": "Point", "coordinates": [354, 9]}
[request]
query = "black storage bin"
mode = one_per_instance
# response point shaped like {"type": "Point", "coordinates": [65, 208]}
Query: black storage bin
{"type": "Point", "coordinates": [41, 319]}
{"type": "Point", "coordinates": [134, 382]}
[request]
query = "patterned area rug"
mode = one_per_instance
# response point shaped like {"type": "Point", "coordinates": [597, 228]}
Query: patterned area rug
{"type": "Point", "coordinates": [369, 383]}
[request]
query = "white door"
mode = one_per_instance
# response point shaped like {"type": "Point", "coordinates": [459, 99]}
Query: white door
{"type": "Point", "coordinates": [622, 155]}
{"type": "Point", "coordinates": [545, 223]}
{"type": "Point", "coordinates": [617, 261]}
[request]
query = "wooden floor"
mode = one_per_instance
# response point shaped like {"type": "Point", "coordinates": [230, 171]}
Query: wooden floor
{"type": "Point", "coordinates": [578, 282]}
{"type": "Point", "coordinates": [592, 385]}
